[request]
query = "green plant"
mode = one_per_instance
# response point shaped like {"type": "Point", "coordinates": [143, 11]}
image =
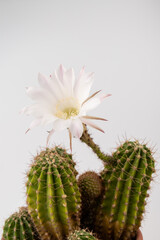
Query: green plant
{"type": "Point", "coordinates": [53, 196]}
{"type": "Point", "coordinates": [88, 140]}
{"type": "Point", "coordinates": [91, 189]}
{"type": "Point", "coordinates": [126, 187]}
{"type": "Point", "coordinates": [81, 235]}
{"type": "Point", "coordinates": [20, 226]}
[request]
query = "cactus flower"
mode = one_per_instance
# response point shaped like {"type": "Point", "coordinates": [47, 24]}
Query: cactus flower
{"type": "Point", "coordinates": [63, 101]}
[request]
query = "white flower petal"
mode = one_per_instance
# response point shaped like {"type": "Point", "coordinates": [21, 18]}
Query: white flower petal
{"type": "Point", "coordinates": [47, 84]}
{"type": "Point", "coordinates": [93, 95]}
{"type": "Point", "coordinates": [57, 87]}
{"type": "Point", "coordinates": [34, 123]}
{"type": "Point", "coordinates": [44, 82]}
{"type": "Point", "coordinates": [91, 104]}
{"type": "Point", "coordinates": [61, 124]}
{"type": "Point", "coordinates": [33, 110]}
{"type": "Point", "coordinates": [91, 124]}
{"type": "Point", "coordinates": [68, 81]}
{"type": "Point", "coordinates": [35, 93]}
{"type": "Point", "coordinates": [94, 118]}
{"type": "Point", "coordinates": [50, 135]}
{"type": "Point", "coordinates": [60, 72]}
{"type": "Point", "coordinates": [37, 110]}
{"type": "Point", "coordinates": [103, 96]}
{"type": "Point", "coordinates": [83, 85]}
{"type": "Point", "coordinates": [41, 96]}
{"type": "Point", "coordinates": [94, 102]}
{"type": "Point", "coordinates": [48, 118]}
{"type": "Point", "coordinates": [76, 128]}
{"type": "Point", "coordinates": [65, 78]}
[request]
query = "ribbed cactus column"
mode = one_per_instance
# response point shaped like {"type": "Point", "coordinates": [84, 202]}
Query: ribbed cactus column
{"type": "Point", "coordinates": [91, 189]}
{"type": "Point", "coordinates": [126, 188]}
{"type": "Point", "coordinates": [52, 194]}
{"type": "Point", "coordinates": [81, 235]}
{"type": "Point", "coordinates": [20, 226]}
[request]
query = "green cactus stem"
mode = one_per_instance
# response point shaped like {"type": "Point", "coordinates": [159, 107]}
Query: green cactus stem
{"type": "Point", "coordinates": [20, 226]}
{"type": "Point", "coordinates": [87, 139]}
{"type": "Point", "coordinates": [53, 196]}
{"type": "Point", "coordinates": [126, 188]}
{"type": "Point", "coordinates": [81, 235]}
{"type": "Point", "coordinates": [91, 189]}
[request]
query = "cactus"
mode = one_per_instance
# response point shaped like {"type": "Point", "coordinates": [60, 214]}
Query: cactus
{"type": "Point", "coordinates": [81, 235]}
{"type": "Point", "coordinates": [53, 196]}
{"type": "Point", "coordinates": [88, 140]}
{"type": "Point", "coordinates": [20, 226]}
{"type": "Point", "coordinates": [91, 189]}
{"type": "Point", "coordinates": [126, 188]}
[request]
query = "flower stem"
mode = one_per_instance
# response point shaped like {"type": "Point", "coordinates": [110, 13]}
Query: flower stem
{"type": "Point", "coordinates": [87, 139]}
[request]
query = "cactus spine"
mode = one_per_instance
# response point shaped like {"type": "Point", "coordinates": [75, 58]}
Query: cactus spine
{"type": "Point", "coordinates": [20, 226]}
{"type": "Point", "coordinates": [91, 189]}
{"type": "Point", "coordinates": [126, 189]}
{"type": "Point", "coordinates": [81, 235]}
{"type": "Point", "coordinates": [52, 194]}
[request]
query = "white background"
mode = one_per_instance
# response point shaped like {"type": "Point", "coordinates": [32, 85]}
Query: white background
{"type": "Point", "coordinates": [120, 42]}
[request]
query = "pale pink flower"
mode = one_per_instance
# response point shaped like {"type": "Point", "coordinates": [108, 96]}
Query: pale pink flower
{"type": "Point", "coordinates": [64, 101]}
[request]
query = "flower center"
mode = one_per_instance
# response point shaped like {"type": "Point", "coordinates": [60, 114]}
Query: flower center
{"type": "Point", "coordinates": [67, 108]}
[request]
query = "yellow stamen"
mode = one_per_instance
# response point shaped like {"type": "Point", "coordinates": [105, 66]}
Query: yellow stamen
{"type": "Point", "coordinates": [67, 108]}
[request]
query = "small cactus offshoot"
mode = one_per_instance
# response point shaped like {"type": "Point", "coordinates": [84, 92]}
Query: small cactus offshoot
{"type": "Point", "coordinates": [81, 235]}
{"type": "Point", "coordinates": [126, 188]}
{"type": "Point", "coordinates": [53, 196]}
{"type": "Point", "coordinates": [91, 189]}
{"type": "Point", "coordinates": [20, 226]}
